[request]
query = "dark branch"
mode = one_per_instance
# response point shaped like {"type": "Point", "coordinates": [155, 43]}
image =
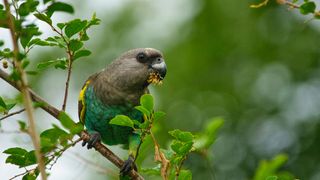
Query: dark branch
{"type": "Point", "coordinates": [11, 114]}
{"type": "Point", "coordinates": [103, 150]}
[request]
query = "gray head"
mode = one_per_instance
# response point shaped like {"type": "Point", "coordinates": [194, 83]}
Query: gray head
{"type": "Point", "coordinates": [131, 73]}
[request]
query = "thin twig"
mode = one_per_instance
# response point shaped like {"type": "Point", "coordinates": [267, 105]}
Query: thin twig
{"type": "Point", "coordinates": [25, 93]}
{"type": "Point", "coordinates": [67, 82]}
{"type": "Point", "coordinates": [24, 173]}
{"type": "Point", "coordinates": [70, 60]}
{"type": "Point", "coordinates": [103, 150]}
{"type": "Point", "coordinates": [11, 114]}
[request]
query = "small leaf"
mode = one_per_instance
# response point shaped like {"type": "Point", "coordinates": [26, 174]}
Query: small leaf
{"type": "Point", "coordinates": [27, 7]}
{"type": "Point", "coordinates": [16, 151]}
{"type": "Point", "coordinates": [122, 120]}
{"type": "Point", "coordinates": [30, 158]}
{"type": "Point", "coordinates": [74, 27]}
{"type": "Point", "coordinates": [143, 110]}
{"type": "Point", "coordinates": [46, 64]}
{"type": "Point", "coordinates": [158, 115]}
{"type": "Point", "coordinates": [25, 63]}
{"type": "Point", "coordinates": [59, 6]}
{"type": "Point", "coordinates": [183, 136]}
{"type": "Point", "coordinates": [81, 53]}
{"type": "Point", "coordinates": [66, 121]}
{"type": "Point", "coordinates": [43, 17]}
{"type": "Point", "coordinates": [181, 148]}
{"type": "Point", "coordinates": [2, 103]}
{"type": "Point", "coordinates": [307, 7]}
{"type": "Point", "coordinates": [61, 25]}
{"type": "Point", "coordinates": [78, 127]}
{"type": "Point", "coordinates": [185, 175]}
{"type": "Point", "coordinates": [75, 44]}
{"type": "Point", "coordinates": [22, 126]}
{"type": "Point", "coordinates": [29, 176]}
{"type": "Point", "coordinates": [39, 42]}
{"type": "Point", "coordinates": [146, 101]}
{"type": "Point", "coordinates": [16, 160]}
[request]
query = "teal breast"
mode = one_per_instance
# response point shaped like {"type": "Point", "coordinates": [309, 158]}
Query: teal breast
{"type": "Point", "coordinates": [98, 114]}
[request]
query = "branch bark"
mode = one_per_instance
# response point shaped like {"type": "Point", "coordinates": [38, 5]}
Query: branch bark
{"type": "Point", "coordinates": [103, 150]}
{"type": "Point", "coordinates": [25, 93]}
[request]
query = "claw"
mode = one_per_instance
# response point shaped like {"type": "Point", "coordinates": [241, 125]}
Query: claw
{"type": "Point", "coordinates": [94, 138]}
{"type": "Point", "coordinates": [128, 166]}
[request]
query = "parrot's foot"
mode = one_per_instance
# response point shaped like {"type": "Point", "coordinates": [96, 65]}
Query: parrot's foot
{"type": "Point", "coordinates": [128, 166]}
{"type": "Point", "coordinates": [94, 138]}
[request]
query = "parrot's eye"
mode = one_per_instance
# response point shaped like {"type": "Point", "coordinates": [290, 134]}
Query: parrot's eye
{"type": "Point", "coordinates": [141, 57]}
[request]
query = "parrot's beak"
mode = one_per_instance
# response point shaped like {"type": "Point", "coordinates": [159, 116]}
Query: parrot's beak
{"type": "Point", "coordinates": [160, 67]}
{"type": "Point", "coordinates": [159, 71]}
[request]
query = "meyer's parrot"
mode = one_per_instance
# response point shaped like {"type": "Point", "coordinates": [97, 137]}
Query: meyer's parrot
{"type": "Point", "coordinates": [116, 90]}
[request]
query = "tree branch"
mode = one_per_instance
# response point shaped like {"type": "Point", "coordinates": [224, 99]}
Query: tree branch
{"type": "Point", "coordinates": [11, 114]}
{"type": "Point", "coordinates": [24, 90]}
{"type": "Point", "coordinates": [103, 150]}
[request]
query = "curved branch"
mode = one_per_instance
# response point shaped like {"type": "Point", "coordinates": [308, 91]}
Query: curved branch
{"type": "Point", "coordinates": [103, 150]}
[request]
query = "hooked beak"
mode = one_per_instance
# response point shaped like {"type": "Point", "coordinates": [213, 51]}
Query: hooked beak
{"type": "Point", "coordinates": [160, 67]}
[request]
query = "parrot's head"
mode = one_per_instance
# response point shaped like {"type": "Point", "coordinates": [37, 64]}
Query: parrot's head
{"type": "Point", "coordinates": [140, 67]}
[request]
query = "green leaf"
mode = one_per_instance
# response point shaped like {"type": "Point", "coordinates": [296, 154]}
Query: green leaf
{"type": "Point", "coordinates": [30, 158]}
{"type": "Point", "coordinates": [307, 7]}
{"type": "Point", "coordinates": [2, 103]}
{"type": "Point", "coordinates": [181, 148]}
{"type": "Point", "coordinates": [59, 6]}
{"type": "Point", "coordinates": [81, 53]}
{"type": "Point", "coordinates": [158, 115]}
{"type": "Point", "coordinates": [43, 17]}
{"type": "Point", "coordinates": [1, 43]}
{"type": "Point", "coordinates": [16, 160]}
{"type": "Point", "coordinates": [74, 27]}
{"type": "Point", "coordinates": [46, 64]}
{"type": "Point", "coordinates": [25, 63]}
{"type": "Point", "coordinates": [61, 64]}
{"type": "Point", "coordinates": [77, 128]}
{"type": "Point", "coordinates": [28, 7]}
{"type": "Point", "coordinates": [143, 110]}
{"type": "Point", "coordinates": [185, 175]}
{"type": "Point", "coordinates": [16, 151]}
{"type": "Point", "coordinates": [122, 120]}
{"type": "Point", "coordinates": [61, 25]}
{"type": "Point", "coordinates": [29, 176]}
{"type": "Point", "coordinates": [39, 42]}
{"type": "Point", "coordinates": [146, 101]}
{"type": "Point", "coordinates": [75, 44]}
{"type": "Point", "coordinates": [27, 33]}
{"type": "Point", "coordinates": [66, 121]}
{"type": "Point", "coordinates": [22, 126]}
{"type": "Point", "coordinates": [183, 136]}
{"type": "Point", "coordinates": [10, 106]}
{"type": "Point", "coordinates": [57, 40]}
{"type": "Point", "coordinates": [269, 168]}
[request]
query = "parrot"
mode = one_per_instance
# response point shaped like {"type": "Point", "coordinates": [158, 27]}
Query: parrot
{"type": "Point", "coordinates": [116, 90]}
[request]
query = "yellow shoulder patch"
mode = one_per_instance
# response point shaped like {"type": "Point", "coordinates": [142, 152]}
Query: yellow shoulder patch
{"type": "Point", "coordinates": [82, 107]}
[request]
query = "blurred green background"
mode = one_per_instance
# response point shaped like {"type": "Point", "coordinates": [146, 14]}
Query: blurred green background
{"type": "Point", "coordinates": [257, 68]}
